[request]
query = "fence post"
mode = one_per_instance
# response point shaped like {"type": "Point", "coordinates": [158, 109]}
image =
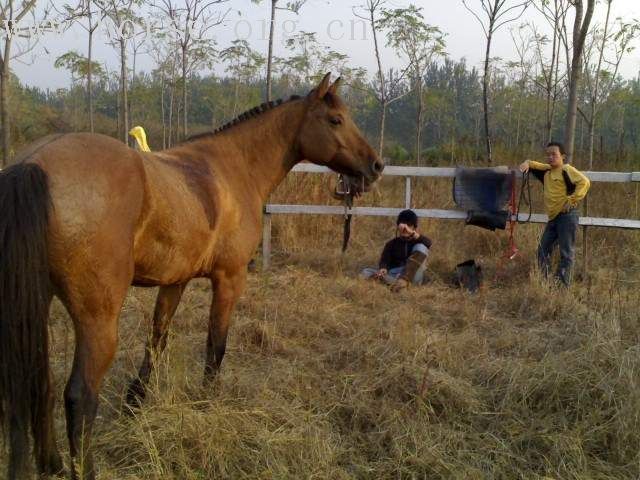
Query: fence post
{"type": "Point", "coordinates": [407, 192]}
{"type": "Point", "coordinates": [266, 241]}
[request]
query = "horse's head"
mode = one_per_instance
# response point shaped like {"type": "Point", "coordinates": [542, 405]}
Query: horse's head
{"type": "Point", "coordinates": [329, 137]}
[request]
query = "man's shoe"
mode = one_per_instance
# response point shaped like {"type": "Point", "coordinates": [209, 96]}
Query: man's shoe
{"type": "Point", "coordinates": [414, 262]}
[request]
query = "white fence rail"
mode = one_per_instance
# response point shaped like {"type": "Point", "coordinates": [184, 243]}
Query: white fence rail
{"type": "Point", "coordinates": [408, 172]}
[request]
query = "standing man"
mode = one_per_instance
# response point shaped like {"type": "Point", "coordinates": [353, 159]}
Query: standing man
{"type": "Point", "coordinates": [564, 188]}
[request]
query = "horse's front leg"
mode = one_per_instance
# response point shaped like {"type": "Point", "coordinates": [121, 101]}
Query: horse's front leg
{"type": "Point", "coordinates": [227, 288]}
{"type": "Point", "coordinates": [166, 306]}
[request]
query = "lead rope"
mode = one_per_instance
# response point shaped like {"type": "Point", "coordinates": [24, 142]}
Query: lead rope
{"type": "Point", "coordinates": [514, 208]}
{"type": "Point", "coordinates": [527, 198]}
{"type": "Point", "coordinates": [513, 211]}
{"type": "Point", "coordinates": [346, 231]}
{"type": "Point", "coordinates": [514, 217]}
{"type": "Point", "coordinates": [347, 199]}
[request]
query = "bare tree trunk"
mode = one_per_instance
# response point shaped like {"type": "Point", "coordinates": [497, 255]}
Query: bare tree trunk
{"type": "Point", "coordinates": [580, 29]}
{"type": "Point", "coordinates": [594, 98]}
{"type": "Point", "coordinates": [477, 136]}
{"type": "Point", "coordinates": [184, 93]}
{"type": "Point", "coordinates": [164, 117]}
{"type": "Point", "coordinates": [591, 128]}
{"type": "Point", "coordinates": [270, 55]}
{"type": "Point", "coordinates": [171, 102]}
{"type": "Point", "coordinates": [133, 87]}
{"type": "Point", "coordinates": [4, 101]}
{"type": "Point", "coordinates": [581, 143]}
{"type": "Point", "coordinates": [620, 149]}
{"type": "Point", "coordinates": [554, 102]}
{"type": "Point", "coordinates": [90, 71]}
{"type": "Point", "coordinates": [485, 96]}
{"type": "Point", "coordinates": [519, 119]}
{"type": "Point", "coordinates": [419, 123]}
{"type": "Point", "coordinates": [383, 119]}
{"type": "Point", "coordinates": [553, 74]}
{"type": "Point", "coordinates": [124, 102]}
{"type": "Point", "coordinates": [383, 89]}
{"type": "Point", "coordinates": [236, 94]}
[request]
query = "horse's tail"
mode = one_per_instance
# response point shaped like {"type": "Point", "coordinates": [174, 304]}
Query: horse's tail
{"type": "Point", "coordinates": [25, 296]}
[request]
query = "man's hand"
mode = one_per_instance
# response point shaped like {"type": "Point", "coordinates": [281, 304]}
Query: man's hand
{"type": "Point", "coordinates": [408, 231]}
{"type": "Point", "coordinates": [380, 273]}
{"type": "Point", "coordinates": [524, 166]}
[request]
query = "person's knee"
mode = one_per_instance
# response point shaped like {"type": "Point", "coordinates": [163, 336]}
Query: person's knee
{"type": "Point", "coordinates": [420, 247]}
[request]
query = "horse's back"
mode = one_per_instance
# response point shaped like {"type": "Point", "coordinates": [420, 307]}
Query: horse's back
{"type": "Point", "coordinates": [97, 191]}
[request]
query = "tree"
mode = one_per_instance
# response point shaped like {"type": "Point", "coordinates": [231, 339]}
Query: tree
{"type": "Point", "coordinates": [243, 64]}
{"type": "Point", "coordinates": [303, 65]}
{"type": "Point", "coordinates": [192, 22]}
{"type": "Point", "coordinates": [419, 43]}
{"type": "Point", "coordinates": [497, 14]}
{"type": "Point", "coordinates": [78, 66]}
{"type": "Point", "coordinates": [137, 42]}
{"type": "Point", "coordinates": [550, 69]}
{"type": "Point", "coordinates": [291, 6]}
{"type": "Point", "coordinates": [122, 17]}
{"type": "Point", "coordinates": [580, 30]}
{"type": "Point", "coordinates": [11, 14]}
{"type": "Point", "coordinates": [385, 85]}
{"type": "Point", "coordinates": [523, 66]}
{"type": "Point", "coordinates": [77, 13]}
{"type": "Point", "coordinates": [599, 79]}
{"type": "Point", "coordinates": [165, 53]}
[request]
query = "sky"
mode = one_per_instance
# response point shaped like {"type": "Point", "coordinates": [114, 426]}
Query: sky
{"type": "Point", "coordinates": [333, 22]}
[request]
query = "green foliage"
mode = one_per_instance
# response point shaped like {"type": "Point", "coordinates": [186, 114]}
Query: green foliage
{"type": "Point", "coordinates": [451, 97]}
{"type": "Point", "coordinates": [411, 37]}
{"type": "Point", "coordinates": [78, 66]}
{"type": "Point", "coordinates": [242, 61]}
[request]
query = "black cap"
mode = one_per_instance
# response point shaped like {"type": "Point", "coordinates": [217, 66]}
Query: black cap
{"type": "Point", "coordinates": [408, 217]}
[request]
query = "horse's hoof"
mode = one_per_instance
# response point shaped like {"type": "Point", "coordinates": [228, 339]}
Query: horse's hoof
{"type": "Point", "coordinates": [54, 467]}
{"type": "Point", "coordinates": [136, 394]}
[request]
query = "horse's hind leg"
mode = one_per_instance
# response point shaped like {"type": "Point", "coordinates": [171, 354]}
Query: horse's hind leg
{"type": "Point", "coordinates": [166, 305]}
{"type": "Point", "coordinates": [94, 311]}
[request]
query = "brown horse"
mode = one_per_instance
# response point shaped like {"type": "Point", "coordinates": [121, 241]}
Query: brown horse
{"type": "Point", "coordinates": [83, 217]}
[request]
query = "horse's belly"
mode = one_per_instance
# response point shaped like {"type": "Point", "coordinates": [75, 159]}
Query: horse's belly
{"type": "Point", "coordinates": [160, 263]}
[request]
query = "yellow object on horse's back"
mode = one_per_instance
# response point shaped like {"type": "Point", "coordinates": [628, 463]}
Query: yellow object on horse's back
{"type": "Point", "coordinates": [141, 138]}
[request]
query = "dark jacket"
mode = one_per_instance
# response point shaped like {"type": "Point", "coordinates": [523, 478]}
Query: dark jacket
{"type": "Point", "coordinates": [397, 251]}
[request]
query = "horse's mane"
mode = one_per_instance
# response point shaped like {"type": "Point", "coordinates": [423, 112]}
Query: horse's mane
{"type": "Point", "coordinates": [252, 113]}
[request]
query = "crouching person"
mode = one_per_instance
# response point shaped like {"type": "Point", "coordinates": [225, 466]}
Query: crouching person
{"type": "Point", "coordinates": [404, 258]}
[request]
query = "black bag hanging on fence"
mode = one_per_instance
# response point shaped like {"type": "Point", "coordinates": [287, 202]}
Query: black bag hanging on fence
{"type": "Point", "coordinates": [468, 275]}
{"type": "Point", "coordinates": [484, 193]}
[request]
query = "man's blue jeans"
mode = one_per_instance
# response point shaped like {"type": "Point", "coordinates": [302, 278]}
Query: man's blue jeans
{"type": "Point", "coordinates": [393, 274]}
{"type": "Point", "coordinates": [562, 231]}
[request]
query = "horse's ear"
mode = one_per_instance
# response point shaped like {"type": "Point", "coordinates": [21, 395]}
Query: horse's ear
{"type": "Point", "coordinates": [321, 90]}
{"type": "Point", "coordinates": [333, 89]}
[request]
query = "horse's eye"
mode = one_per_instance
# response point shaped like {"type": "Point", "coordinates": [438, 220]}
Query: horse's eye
{"type": "Point", "coordinates": [336, 121]}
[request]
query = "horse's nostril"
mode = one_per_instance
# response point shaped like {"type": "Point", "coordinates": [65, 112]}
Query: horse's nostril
{"type": "Point", "coordinates": [378, 166]}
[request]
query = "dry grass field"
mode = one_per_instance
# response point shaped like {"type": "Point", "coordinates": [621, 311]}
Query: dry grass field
{"type": "Point", "coordinates": [331, 377]}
